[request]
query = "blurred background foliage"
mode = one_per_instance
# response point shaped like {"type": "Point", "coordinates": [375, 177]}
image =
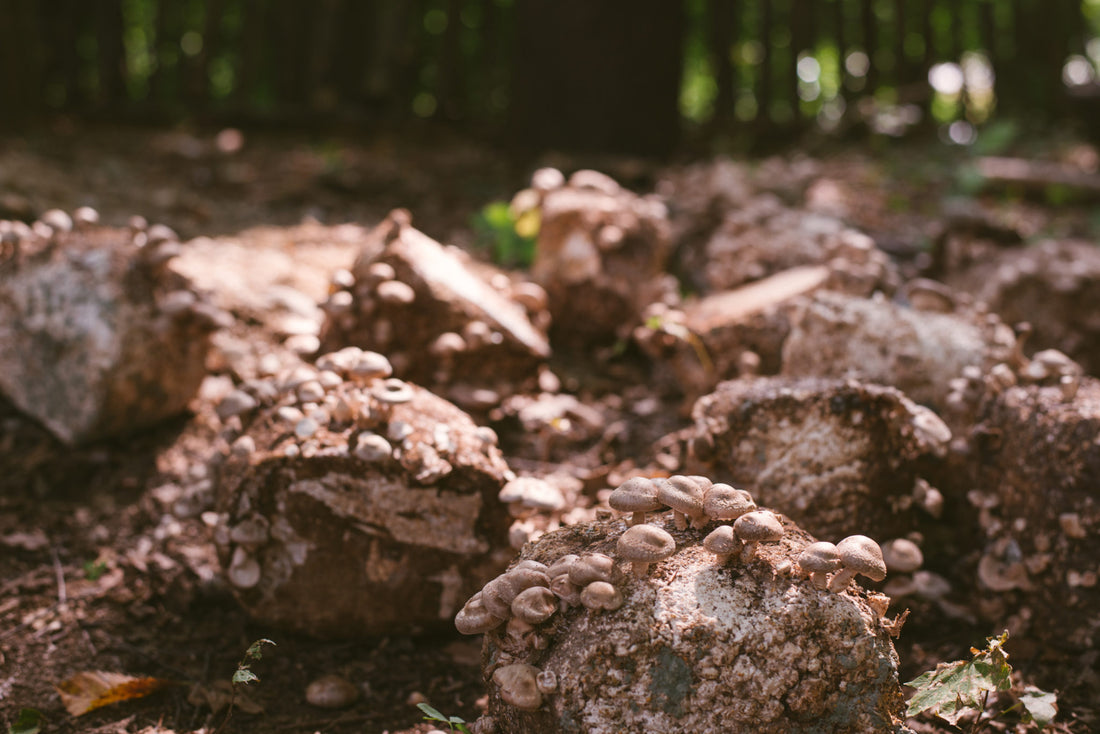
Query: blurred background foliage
{"type": "Point", "coordinates": [638, 76]}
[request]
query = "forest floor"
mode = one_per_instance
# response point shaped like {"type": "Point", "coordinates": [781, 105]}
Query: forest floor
{"type": "Point", "coordinates": [99, 567]}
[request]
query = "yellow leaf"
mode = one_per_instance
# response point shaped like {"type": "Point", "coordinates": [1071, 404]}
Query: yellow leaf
{"type": "Point", "coordinates": [527, 224]}
{"type": "Point", "coordinates": [88, 690]}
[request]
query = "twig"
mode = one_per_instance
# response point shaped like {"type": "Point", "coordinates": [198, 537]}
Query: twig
{"type": "Point", "coordinates": [62, 594]}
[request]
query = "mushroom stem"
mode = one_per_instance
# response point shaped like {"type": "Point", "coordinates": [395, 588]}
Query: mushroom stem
{"type": "Point", "coordinates": [749, 551]}
{"type": "Point", "coordinates": [840, 580]}
{"type": "Point", "coordinates": [639, 568]}
{"type": "Point", "coordinates": [722, 559]}
{"type": "Point", "coordinates": [680, 519]}
{"type": "Point", "coordinates": [636, 518]}
{"type": "Point", "coordinates": [820, 579]}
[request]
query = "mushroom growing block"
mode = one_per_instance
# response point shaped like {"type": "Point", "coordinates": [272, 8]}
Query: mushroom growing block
{"type": "Point", "coordinates": [1034, 460]}
{"type": "Point", "coordinates": [437, 317]}
{"type": "Point", "coordinates": [918, 352]}
{"type": "Point", "coordinates": [100, 335]}
{"type": "Point", "coordinates": [601, 255]}
{"type": "Point", "coordinates": [697, 649]}
{"type": "Point", "coordinates": [360, 544]}
{"type": "Point", "coordinates": [839, 456]}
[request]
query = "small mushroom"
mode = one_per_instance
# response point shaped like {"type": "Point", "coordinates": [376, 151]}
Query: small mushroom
{"type": "Point", "coordinates": [474, 618]}
{"type": "Point", "coordinates": [723, 502]}
{"type": "Point", "coordinates": [566, 590]}
{"type": "Point", "coordinates": [754, 528]}
{"type": "Point", "coordinates": [547, 681]}
{"type": "Point", "coordinates": [643, 545]}
{"type": "Point", "coordinates": [818, 560]}
{"type": "Point", "coordinates": [535, 605]}
{"type": "Point", "coordinates": [637, 495]}
{"type": "Point", "coordinates": [859, 555]}
{"type": "Point", "coordinates": [902, 555]}
{"type": "Point", "coordinates": [393, 392]}
{"type": "Point", "coordinates": [591, 567]}
{"type": "Point", "coordinates": [601, 595]}
{"type": "Point", "coordinates": [723, 543]}
{"type": "Point", "coordinates": [244, 571]}
{"type": "Point", "coordinates": [525, 495]}
{"type": "Point", "coordinates": [518, 684]}
{"type": "Point", "coordinates": [685, 496]}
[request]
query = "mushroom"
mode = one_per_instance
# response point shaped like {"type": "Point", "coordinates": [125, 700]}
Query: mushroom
{"type": "Point", "coordinates": [601, 595]}
{"type": "Point", "coordinates": [858, 555]}
{"type": "Point", "coordinates": [244, 571]}
{"type": "Point", "coordinates": [754, 528]}
{"type": "Point", "coordinates": [474, 618]}
{"type": "Point", "coordinates": [566, 590]}
{"type": "Point", "coordinates": [499, 593]}
{"type": "Point", "coordinates": [901, 555]}
{"type": "Point", "coordinates": [818, 560]}
{"type": "Point", "coordinates": [591, 567]}
{"type": "Point", "coordinates": [637, 495]}
{"type": "Point", "coordinates": [685, 496]}
{"type": "Point", "coordinates": [643, 545]}
{"type": "Point", "coordinates": [722, 542]}
{"type": "Point", "coordinates": [534, 605]}
{"type": "Point", "coordinates": [525, 495]}
{"type": "Point", "coordinates": [723, 502]}
{"type": "Point", "coordinates": [331, 692]}
{"type": "Point", "coordinates": [518, 684]}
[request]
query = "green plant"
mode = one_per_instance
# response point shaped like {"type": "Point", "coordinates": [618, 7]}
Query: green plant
{"type": "Point", "coordinates": [93, 570]}
{"type": "Point", "coordinates": [243, 675]}
{"type": "Point", "coordinates": [962, 688]}
{"type": "Point", "coordinates": [453, 723]}
{"type": "Point", "coordinates": [509, 238]}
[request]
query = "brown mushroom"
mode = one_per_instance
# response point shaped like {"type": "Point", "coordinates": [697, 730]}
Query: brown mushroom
{"type": "Point", "coordinates": [754, 528]}
{"type": "Point", "coordinates": [601, 595]}
{"type": "Point", "coordinates": [723, 543]}
{"type": "Point", "coordinates": [723, 502]}
{"type": "Point", "coordinates": [858, 555]}
{"type": "Point", "coordinates": [818, 560]}
{"type": "Point", "coordinates": [518, 684]}
{"type": "Point", "coordinates": [591, 567]}
{"type": "Point", "coordinates": [535, 605]}
{"type": "Point", "coordinates": [685, 496]}
{"type": "Point", "coordinates": [643, 545]}
{"type": "Point", "coordinates": [637, 495]}
{"type": "Point", "coordinates": [474, 618]}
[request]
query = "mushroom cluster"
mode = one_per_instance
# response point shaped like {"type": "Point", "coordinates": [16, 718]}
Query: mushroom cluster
{"type": "Point", "coordinates": [856, 555]}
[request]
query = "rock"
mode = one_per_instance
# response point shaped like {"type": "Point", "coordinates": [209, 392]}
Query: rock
{"type": "Point", "coordinates": [1034, 466]}
{"type": "Point", "coordinates": [842, 457]}
{"type": "Point", "coordinates": [694, 647]}
{"type": "Point", "coordinates": [339, 541]}
{"type": "Point", "coordinates": [331, 692]}
{"type": "Point", "coordinates": [707, 340]}
{"type": "Point", "coordinates": [918, 352]}
{"type": "Point", "coordinates": [1054, 286]}
{"type": "Point", "coordinates": [101, 336]}
{"type": "Point", "coordinates": [433, 314]}
{"type": "Point", "coordinates": [764, 237]}
{"type": "Point", "coordinates": [601, 256]}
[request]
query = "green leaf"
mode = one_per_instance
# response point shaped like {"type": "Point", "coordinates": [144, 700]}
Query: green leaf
{"type": "Point", "coordinates": [29, 722]}
{"type": "Point", "coordinates": [255, 650]}
{"type": "Point", "coordinates": [244, 675]}
{"type": "Point", "coordinates": [1041, 706]}
{"type": "Point", "coordinates": [430, 713]}
{"type": "Point", "coordinates": [953, 689]}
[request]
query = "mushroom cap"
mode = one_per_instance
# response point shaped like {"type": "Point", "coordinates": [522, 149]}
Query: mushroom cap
{"type": "Point", "coordinates": [902, 555]}
{"type": "Point", "coordinates": [863, 555]}
{"type": "Point", "coordinates": [601, 595]}
{"type": "Point", "coordinates": [561, 566]}
{"type": "Point", "coordinates": [566, 590]}
{"type": "Point", "coordinates": [591, 567]}
{"type": "Point", "coordinates": [535, 605]}
{"type": "Point", "coordinates": [819, 557]}
{"type": "Point", "coordinates": [637, 494]}
{"type": "Point", "coordinates": [723, 502]}
{"type": "Point", "coordinates": [474, 618]}
{"type": "Point", "coordinates": [532, 492]}
{"type": "Point", "coordinates": [393, 391]}
{"type": "Point", "coordinates": [722, 540]}
{"type": "Point", "coordinates": [646, 543]}
{"type": "Point", "coordinates": [683, 494]}
{"type": "Point", "coordinates": [757, 526]}
{"type": "Point", "coordinates": [518, 685]}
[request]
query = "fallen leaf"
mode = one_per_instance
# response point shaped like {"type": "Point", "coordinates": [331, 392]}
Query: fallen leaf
{"type": "Point", "coordinates": [32, 541]}
{"type": "Point", "coordinates": [29, 722]}
{"type": "Point", "coordinates": [89, 690]}
{"type": "Point", "coordinates": [219, 695]}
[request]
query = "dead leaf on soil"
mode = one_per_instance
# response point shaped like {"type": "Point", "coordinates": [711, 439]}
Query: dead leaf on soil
{"type": "Point", "coordinates": [32, 541]}
{"type": "Point", "coordinates": [89, 690]}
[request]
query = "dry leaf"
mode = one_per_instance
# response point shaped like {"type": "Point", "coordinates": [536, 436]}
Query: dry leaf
{"type": "Point", "coordinates": [219, 695]}
{"type": "Point", "coordinates": [92, 689]}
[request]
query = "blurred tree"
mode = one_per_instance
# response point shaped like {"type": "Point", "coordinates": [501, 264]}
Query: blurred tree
{"type": "Point", "coordinates": [597, 75]}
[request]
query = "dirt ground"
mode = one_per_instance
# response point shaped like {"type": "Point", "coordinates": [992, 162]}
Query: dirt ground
{"type": "Point", "coordinates": [105, 566]}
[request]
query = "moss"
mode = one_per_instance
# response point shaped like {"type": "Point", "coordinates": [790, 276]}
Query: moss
{"type": "Point", "coordinates": [670, 682]}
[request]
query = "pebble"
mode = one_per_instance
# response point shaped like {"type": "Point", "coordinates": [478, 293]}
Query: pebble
{"type": "Point", "coordinates": [331, 692]}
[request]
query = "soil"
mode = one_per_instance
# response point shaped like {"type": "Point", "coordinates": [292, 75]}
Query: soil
{"type": "Point", "coordinates": [104, 566]}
